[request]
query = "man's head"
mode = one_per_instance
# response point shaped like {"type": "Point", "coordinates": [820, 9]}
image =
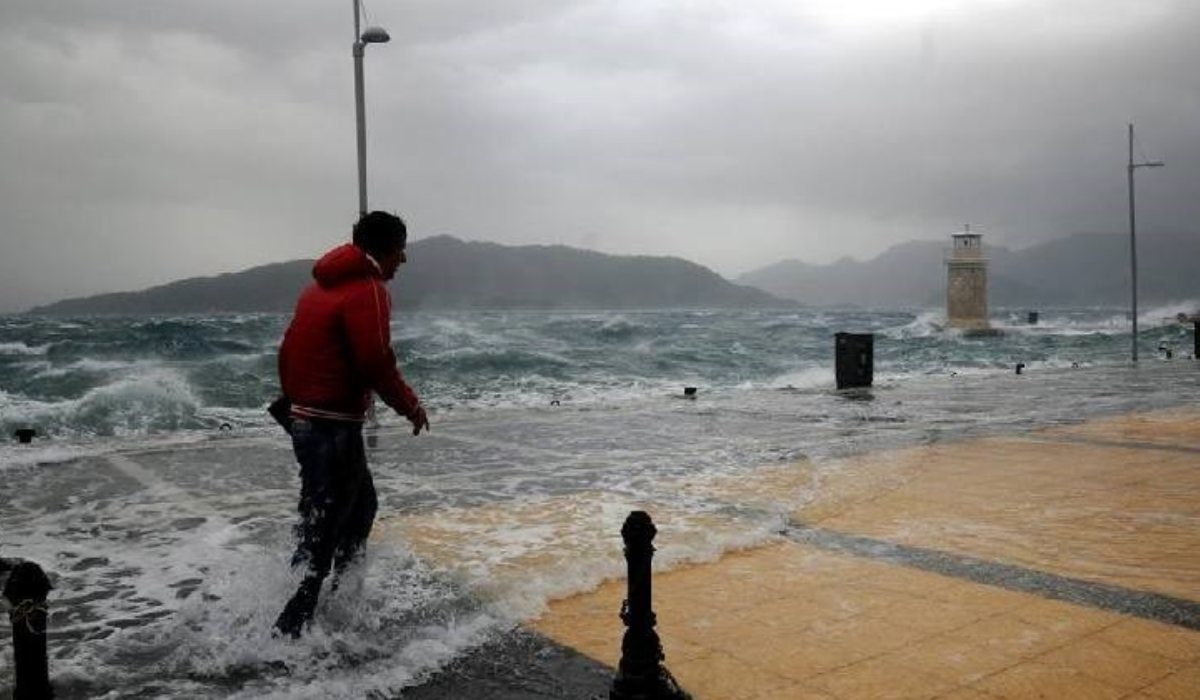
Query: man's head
{"type": "Point", "coordinates": [383, 236]}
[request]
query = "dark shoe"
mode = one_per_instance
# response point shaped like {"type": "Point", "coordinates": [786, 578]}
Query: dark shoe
{"type": "Point", "coordinates": [298, 612]}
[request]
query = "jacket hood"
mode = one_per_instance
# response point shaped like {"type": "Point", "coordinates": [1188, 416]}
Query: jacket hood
{"type": "Point", "coordinates": [344, 263]}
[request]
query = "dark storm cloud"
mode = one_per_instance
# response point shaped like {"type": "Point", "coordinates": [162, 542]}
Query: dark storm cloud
{"type": "Point", "coordinates": [148, 141]}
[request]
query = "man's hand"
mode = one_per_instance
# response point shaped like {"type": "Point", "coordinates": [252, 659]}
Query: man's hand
{"type": "Point", "coordinates": [419, 420]}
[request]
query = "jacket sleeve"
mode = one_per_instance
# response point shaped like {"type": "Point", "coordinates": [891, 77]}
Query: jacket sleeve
{"type": "Point", "coordinates": [367, 317]}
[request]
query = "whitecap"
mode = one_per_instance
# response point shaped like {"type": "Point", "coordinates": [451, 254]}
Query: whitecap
{"type": "Point", "coordinates": [20, 348]}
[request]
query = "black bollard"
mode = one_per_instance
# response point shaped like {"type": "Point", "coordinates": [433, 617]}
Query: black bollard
{"type": "Point", "coordinates": [26, 590]}
{"type": "Point", "coordinates": [641, 675]}
{"type": "Point", "coordinates": [1032, 318]}
{"type": "Point", "coordinates": [24, 435]}
{"type": "Point", "coordinates": [1020, 367]}
{"type": "Point", "coordinates": [854, 359]}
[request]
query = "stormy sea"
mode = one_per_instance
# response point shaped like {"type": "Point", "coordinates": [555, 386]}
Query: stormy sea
{"type": "Point", "coordinates": [160, 496]}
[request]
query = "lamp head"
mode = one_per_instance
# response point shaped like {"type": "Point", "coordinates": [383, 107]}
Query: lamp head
{"type": "Point", "coordinates": [375, 35]}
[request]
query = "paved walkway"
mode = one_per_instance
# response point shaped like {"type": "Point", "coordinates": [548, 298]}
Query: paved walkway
{"type": "Point", "coordinates": [1060, 564]}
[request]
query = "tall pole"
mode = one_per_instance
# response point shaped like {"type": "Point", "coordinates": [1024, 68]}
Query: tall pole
{"type": "Point", "coordinates": [1133, 239]}
{"type": "Point", "coordinates": [1133, 250]}
{"type": "Point", "coordinates": [360, 113]}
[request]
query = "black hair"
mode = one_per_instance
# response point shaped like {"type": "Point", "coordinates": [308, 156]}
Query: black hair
{"type": "Point", "coordinates": [379, 233]}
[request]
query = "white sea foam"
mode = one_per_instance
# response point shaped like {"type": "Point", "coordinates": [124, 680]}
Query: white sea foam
{"type": "Point", "coordinates": [385, 633]}
{"type": "Point", "coordinates": [460, 331]}
{"type": "Point", "coordinates": [135, 404]}
{"type": "Point", "coordinates": [157, 398]}
{"type": "Point", "coordinates": [15, 455]}
{"type": "Point", "coordinates": [1169, 313]}
{"type": "Point", "coordinates": [927, 323]}
{"type": "Point", "coordinates": [807, 378]}
{"type": "Point", "coordinates": [618, 325]}
{"type": "Point", "coordinates": [49, 451]}
{"type": "Point", "coordinates": [528, 553]}
{"type": "Point", "coordinates": [92, 365]}
{"type": "Point", "coordinates": [17, 409]}
{"type": "Point", "coordinates": [20, 348]}
{"type": "Point", "coordinates": [1100, 321]}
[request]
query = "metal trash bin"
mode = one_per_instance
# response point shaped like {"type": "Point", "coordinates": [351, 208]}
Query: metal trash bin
{"type": "Point", "coordinates": [855, 359]}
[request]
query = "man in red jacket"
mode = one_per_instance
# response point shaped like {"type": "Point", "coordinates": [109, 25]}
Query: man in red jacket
{"type": "Point", "coordinates": [336, 351]}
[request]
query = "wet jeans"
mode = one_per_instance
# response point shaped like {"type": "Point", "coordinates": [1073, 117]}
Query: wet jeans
{"type": "Point", "coordinates": [337, 508]}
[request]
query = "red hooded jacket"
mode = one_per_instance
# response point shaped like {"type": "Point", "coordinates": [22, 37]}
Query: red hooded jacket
{"type": "Point", "coordinates": [338, 347]}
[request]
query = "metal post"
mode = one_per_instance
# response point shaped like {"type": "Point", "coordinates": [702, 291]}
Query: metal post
{"type": "Point", "coordinates": [1133, 249]}
{"type": "Point", "coordinates": [360, 116]}
{"type": "Point", "coordinates": [1133, 237]}
{"type": "Point", "coordinates": [640, 675]}
{"type": "Point", "coordinates": [26, 591]}
{"type": "Point", "coordinates": [372, 35]}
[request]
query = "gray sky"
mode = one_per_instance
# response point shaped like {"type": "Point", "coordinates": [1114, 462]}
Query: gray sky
{"type": "Point", "coordinates": [144, 141]}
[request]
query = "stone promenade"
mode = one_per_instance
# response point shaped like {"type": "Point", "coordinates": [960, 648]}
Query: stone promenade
{"type": "Point", "coordinates": [1064, 563]}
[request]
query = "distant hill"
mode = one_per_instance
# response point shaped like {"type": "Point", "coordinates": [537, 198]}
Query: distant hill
{"type": "Point", "coordinates": [448, 273]}
{"type": "Point", "coordinates": [1082, 269]}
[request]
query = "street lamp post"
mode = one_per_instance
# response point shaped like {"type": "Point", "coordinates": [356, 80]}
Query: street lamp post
{"type": "Point", "coordinates": [1133, 237]}
{"type": "Point", "coordinates": [373, 35]}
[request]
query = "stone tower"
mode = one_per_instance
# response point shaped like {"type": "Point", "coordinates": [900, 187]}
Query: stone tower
{"type": "Point", "coordinates": [966, 284]}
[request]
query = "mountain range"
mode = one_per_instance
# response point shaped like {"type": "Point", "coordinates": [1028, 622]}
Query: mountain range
{"type": "Point", "coordinates": [1085, 269]}
{"type": "Point", "coordinates": [447, 273]}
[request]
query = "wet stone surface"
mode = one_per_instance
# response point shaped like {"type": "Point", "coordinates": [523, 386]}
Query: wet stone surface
{"type": "Point", "coordinates": [519, 665]}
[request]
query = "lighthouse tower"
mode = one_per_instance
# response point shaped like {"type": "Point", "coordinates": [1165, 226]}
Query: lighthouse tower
{"type": "Point", "coordinates": [966, 284]}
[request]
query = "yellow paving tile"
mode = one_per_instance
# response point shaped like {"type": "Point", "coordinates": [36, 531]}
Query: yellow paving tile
{"type": "Point", "coordinates": [812, 657]}
{"type": "Point", "coordinates": [677, 649]}
{"type": "Point", "coordinates": [1011, 635]}
{"type": "Point", "coordinates": [954, 661]}
{"type": "Point", "coordinates": [882, 678]}
{"type": "Point", "coordinates": [912, 581]}
{"type": "Point", "coordinates": [966, 694]}
{"type": "Point", "coordinates": [1065, 619]}
{"type": "Point", "coordinates": [1172, 427]}
{"type": "Point", "coordinates": [1032, 681]}
{"type": "Point", "coordinates": [796, 613]}
{"type": "Point", "coordinates": [1155, 638]}
{"type": "Point", "coordinates": [717, 676]}
{"type": "Point", "coordinates": [988, 600]}
{"type": "Point", "coordinates": [1181, 685]}
{"type": "Point", "coordinates": [1117, 666]}
{"type": "Point", "coordinates": [798, 691]}
{"type": "Point", "coordinates": [736, 636]}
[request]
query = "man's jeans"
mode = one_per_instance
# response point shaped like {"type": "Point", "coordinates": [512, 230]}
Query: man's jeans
{"type": "Point", "coordinates": [337, 508]}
